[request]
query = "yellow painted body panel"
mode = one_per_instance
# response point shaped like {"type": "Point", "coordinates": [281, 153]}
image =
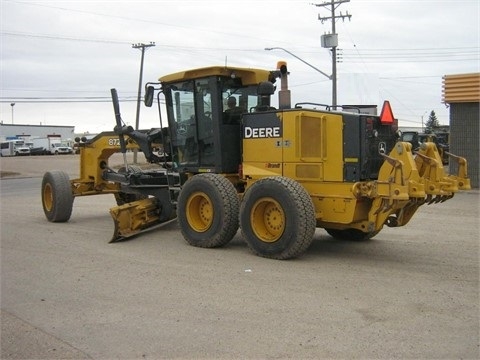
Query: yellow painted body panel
{"type": "Point", "coordinates": [310, 151]}
{"type": "Point", "coordinates": [262, 157]}
{"type": "Point", "coordinates": [260, 170]}
{"type": "Point", "coordinates": [264, 151]}
{"type": "Point", "coordinates": [94, 157]}
{"type": "Point", "coordinates": [304, 152]}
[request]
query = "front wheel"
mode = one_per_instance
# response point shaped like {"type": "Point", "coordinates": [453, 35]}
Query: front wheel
{"type": "Point", "coordinates": [57, 196]}
{"type": "Point", "coordinates": [208, 210]}
{"type": "Point", "coordinates": [277, 218]}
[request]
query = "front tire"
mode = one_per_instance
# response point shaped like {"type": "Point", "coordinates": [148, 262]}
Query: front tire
{"type": "Point", "coordinates": [277, 218]}
{"type": "Point", "coordinates": [57, 196]}
{"type": "Point", "coordinates": [208, 210]}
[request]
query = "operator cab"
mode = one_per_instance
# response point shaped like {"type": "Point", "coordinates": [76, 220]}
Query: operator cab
{"type": "Point", "coordinates": [204, 108]}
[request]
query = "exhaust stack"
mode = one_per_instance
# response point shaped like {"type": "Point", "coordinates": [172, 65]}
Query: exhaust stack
{"type": "Point", "coordinates": [284, 97]}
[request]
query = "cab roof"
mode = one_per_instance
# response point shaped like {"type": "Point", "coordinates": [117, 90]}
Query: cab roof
{"type": "Point", "coordinates": [249, 76]}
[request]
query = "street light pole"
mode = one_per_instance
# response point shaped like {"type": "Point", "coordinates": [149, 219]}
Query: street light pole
{"type": "Point", "coordinates": [295, 56]}
{"type": "Point", "coordinates": [12, 105]}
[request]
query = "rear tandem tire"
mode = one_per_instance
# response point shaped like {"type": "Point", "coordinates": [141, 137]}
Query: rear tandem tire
{"type": "Point", "coordinates": [277, 218]}
{"type": "Point", "coordinates": [208, 210]}
{"type": "Point", "coordinates": [57, 196]}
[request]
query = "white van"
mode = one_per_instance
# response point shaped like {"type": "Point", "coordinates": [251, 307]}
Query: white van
{"type": "Point", "coordinates": [14, 148]}
{"type": "Point", "coordinates": [7, 148]}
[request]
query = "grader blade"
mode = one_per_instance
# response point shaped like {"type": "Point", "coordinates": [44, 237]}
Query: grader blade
{"type": "Point", "coordinates": [136, 217]}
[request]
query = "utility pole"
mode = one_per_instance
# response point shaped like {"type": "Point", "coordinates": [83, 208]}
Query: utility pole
{"type": "Point", "coordinates": [331, 40]}
{"type": "Point", "coordinates": [139, 97]}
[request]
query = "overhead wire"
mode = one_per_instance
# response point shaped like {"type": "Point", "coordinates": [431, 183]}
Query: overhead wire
{"type": "Point", "coordinates": [119, 42]}
{"type": "Point", "coordinates": [358, 56]}
{"type": "Point", "coordinates": [179, 26]}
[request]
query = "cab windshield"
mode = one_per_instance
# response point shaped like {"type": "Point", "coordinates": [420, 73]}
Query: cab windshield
{"type": "Point", "coordinates": [195, 108]}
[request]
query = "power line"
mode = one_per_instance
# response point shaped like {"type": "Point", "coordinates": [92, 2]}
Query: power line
{"type": "Point", "coordinates": [58, 37]}
{"type": "Point", "coordinates": [120, 42]}
{"type": "Point", "coordinates": [56, 90]}
{"type": "Point", "coordinates": [410, 77]}
{"type": "Point", "coordinates": [410, 55]}
{"type": "Point", "coordinates": [407, 55]}
{"type": "Point", "coordinates": [61, 97]}
{"type": "Point", "coordinates": [389, 51]}
{"type": "Point", "coordinates": [65, 99]}
{"type": "Point", "coordinates": [368, 64]}
{"type": "Point", "coordinates": [419, 49]}
{"type": "Point", "coordinates": [242, 35]}
{"type": "Point", "coordinates": [364, 53]}
{"type": "Point", "coordinates": [33, 100]}
{"type": "Point", "coordinates": [381, 61]}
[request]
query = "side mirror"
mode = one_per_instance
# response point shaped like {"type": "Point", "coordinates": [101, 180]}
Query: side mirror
{"type": "Point", "coordinates": [149, 94]}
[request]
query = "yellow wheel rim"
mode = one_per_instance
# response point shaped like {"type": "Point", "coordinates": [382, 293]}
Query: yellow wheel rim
{"type": "Point", "coordinates": [48, 197]}
{"type": "Point", "coordinates": [199, 211]}
{"type": "Point", "coordinates": [267, 219]}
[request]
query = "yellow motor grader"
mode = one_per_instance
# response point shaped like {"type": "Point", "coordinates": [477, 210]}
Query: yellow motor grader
{"type": "Point", "coordinates": [230, 160]}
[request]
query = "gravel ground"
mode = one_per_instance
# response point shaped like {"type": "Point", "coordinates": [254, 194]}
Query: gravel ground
{"type": "Point", "coordinates": [66, 293]}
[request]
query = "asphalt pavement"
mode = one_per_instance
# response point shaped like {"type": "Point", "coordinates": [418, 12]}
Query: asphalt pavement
{"type": "Point", "coordinates": [67, 293]}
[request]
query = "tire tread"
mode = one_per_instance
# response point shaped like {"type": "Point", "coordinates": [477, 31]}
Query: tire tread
{"type": "Point", "coordinates": [229, 204]}
{"type": "Point", "coordinates": [306, 223]}
{"type": "Point", "coordinates": [62, 196]}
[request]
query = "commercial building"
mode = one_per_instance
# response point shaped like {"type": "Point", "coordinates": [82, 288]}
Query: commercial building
{"type": "Point", "coordinates": [10, 131]}
{"type": "Point", "coordinates": [462, 93]}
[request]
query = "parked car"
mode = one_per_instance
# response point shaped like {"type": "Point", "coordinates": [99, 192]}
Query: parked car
{"type": "Point", "coordinates": [62, 149]}
{"type": "Point", "coordinates": [22, 150]}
